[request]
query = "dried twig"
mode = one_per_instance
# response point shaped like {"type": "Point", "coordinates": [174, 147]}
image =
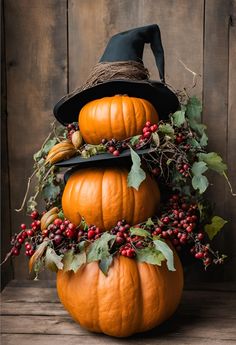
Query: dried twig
{"type": "Point", "coordinates": [195, 75]}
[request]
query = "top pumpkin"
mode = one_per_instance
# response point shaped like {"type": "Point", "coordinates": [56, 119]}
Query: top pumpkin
{"type": "Point", "coordinates": [117, 117]}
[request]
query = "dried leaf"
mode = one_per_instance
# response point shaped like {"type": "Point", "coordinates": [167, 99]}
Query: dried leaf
{"type": "Point", "coordinates": [38, 254]}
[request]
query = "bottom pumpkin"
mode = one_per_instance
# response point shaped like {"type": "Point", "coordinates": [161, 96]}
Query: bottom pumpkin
{"type": "Point", "coordinates": [134, 297]}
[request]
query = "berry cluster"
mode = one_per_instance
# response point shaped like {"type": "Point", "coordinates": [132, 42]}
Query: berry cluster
{"type": "Point", "coordinates": [71, 128]}
{"type": "Point", "coordinates": [183, 169]}
{"type": "Point", "coordinates": [94, 232]}
{"type": "Point", "coordinates": [26, 234]}
{"type": "Point", "coordinates": [148, 129]}
{"type": "Point", "coordinates": [114, 146]}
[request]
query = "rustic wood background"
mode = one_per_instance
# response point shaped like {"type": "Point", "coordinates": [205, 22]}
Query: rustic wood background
{"type": "Point", "coordinates": [49, 47]}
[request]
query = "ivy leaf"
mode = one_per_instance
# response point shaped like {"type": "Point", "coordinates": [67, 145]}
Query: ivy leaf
{"type": "Point", "coordinates": [216, 225]}
{"type": "Point", "coordinates": [50, 191]}
{"type": "Point", "coordinates": [52, 260]}
{"type": "Point", "coordinates": [194, 108]}
{"type": "Point", "coordinates": [167, 252]}
{"type": "Point", "coordinates": [213, 161]}
{"type": "Point", "coordinates": [199, 168]}
{"type": "Point", "coordinates": [193, 143]}
{"type": "Point", "coordinates": [204, 140]}
{"type": "Point", "coordinates": [139, 232]}
{"type": "Point", "coordinates": [150, 255]}
{"type": "Point", "coordinates": [72, 262]}
{"type": "Point", "coordinates": [105, 264]}
{"type": "Point", "coordinates": [134, 140]}
{"type": "Point", "coordinates": [99, 249]}
{"type": "Point", "coordinates": [149, 222]}
{"type": "Point", "coordinates": [178, 118]}
{"type": "Point", "coordinates": [166, 129]}
{"type": "Point", "coordinates": [156, 139]}
{"type": "Point", "coordinates": [136, 175]}
{"type": "Point", "coordinates": [199, 181]}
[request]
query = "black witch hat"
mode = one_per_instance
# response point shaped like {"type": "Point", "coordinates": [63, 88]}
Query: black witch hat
{"type": "Point", "coordinates": [126, 46]}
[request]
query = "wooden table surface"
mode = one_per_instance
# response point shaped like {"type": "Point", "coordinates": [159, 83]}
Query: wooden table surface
{"type": "Point", "coordinates": [33, 315]}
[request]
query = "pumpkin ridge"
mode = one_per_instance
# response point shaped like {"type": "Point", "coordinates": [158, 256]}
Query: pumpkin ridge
{"type": "Point", "coordinates": [123, 114]}
{"type": "Point", "coordinates": [101, 196]}
{"type": "Point", "coordinates": [145, 109]}
{"type": "Point", "coordinates": [135, 120]}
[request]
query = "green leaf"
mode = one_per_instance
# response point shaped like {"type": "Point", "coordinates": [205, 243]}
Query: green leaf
{"type": "Point", "coordinates": [213, 161]}
{"type": "Point", "coordinates": [216, 225]}
{"type": "Point", "coordinates": [198, 168]}
{"type": "Point", "coordinates": [50, 191]}
{"type": "Point", "coordinates": [134, 140]}
{"type": "Point", "coordinates": [139, 232]}
{"type": "Point", "coordinates": [204, 140]}
{"type": "Point", "coordinates": [167, 252]}
{"type": "Point", "coordinates": [72, 262]}
{"type": "Point", "coordinates": [149, 222]}
{"type": "Point", "coordinates": [61, 215]}
{"type": "Point", "coordinates": [178, 118]}
{"type": "Point", "coordinates": [105, 264]}
{"type": "Point", "coordinates": [193, 143]}
{"type": "Point", "coordinates": [136, 175]}
{"type": "Point", "coordinates": [166, 129]}
{"type": "Point", "coordinates": [156, 139]}
{"type": "Point", "coordinates": [194, 109]}
{"type": "Point", "coordinates": [52, 260]}
{"type": "Point", "coordinates": [199, 181]}
{"type": "Point", "coordinates": [150, 255]}
{"type": "Point", "coordinates": [99, 249]}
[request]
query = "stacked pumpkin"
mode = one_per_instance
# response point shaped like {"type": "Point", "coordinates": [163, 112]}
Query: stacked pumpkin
{"type": "Point", "coordinates": [134, 296]}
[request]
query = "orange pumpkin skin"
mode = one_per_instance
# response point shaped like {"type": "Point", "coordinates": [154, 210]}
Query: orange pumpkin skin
{"type": "Point", "coordinates": [117, 117]}
{"type": "Point", "coordinates": [102, 197]}
{"type": "Point", "coordinates": [134, 297]}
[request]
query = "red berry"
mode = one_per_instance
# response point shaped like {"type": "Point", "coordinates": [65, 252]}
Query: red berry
{"type": "Point", "coordinates": [116, 153]}
{"type": "Point", "coordinates": [147, 135]}
{"type": "Point", "coordinates": [170, 232]}
{"type": "Point", "coordinates": [58, 239]}
{"type": "Point", "coordinates": [72, 226]}
{"type": "Point", "coordinates": [164, 234]}
{"type": "Point", "coordinates": [31, 252]}
{"type": "Point", "coordinates": [166, 220]}
{"type": "Point", "coordinates": [148, 124]}
{"type": "Point", "coordinates": [57, 222]}
{"type": "Point", "coordinates": [111, 149]}
{"type": "Point", "coordinates": [34, 215]}
{"type": "Point", "coordinates": [91, 234]}
{"type": "Point", "coordinates": [27, 253]}
{"type": "Point", "coordinates": [15, 251]}
{"type": "Point", "coordinates": [23, 226]}
{"type": "Point", "coordinates": [119, 240]}
{"type": "Point", "coordinates": [189, 229]}
{"type": "Point", "coordinates": [146, 129]}
{"type": "Point", "coordinates": [124, 252]}
{"type": "Point", "coordinates": [199, 255]}
{"type": "Point", "coordinates": [139, 244]}
{"type": "Point", "coordinates": [130, 253]}
{"type": "Point", "coordinates": [20, 240]}
{"type": "Point", "coordinates": [62, 227]}
{"type": "Point", "coordinates": [69, 233]}
{"type": "Point", "coordinates": [28, 247]}
{"type": "Point", "coordinates": [30, 233]}
{"type": "Point", "coordinates": [158, 231]}
{"type": "Point", "coordinates": [122, 229]}
{"type": "Point", "coordinates": [24, 234]}
{"type": "Point", "coordinates": [200, 236]}
{"type": "Point", "coordinates": [97, 231]}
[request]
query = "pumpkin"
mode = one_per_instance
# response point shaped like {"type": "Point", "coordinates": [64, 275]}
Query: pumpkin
{"type": "Point", "coordinates": [117, 117]}
{"type": "Point", "coordinates": [134, 297]}
{"type": "Point", "coordinates": [102, 197]}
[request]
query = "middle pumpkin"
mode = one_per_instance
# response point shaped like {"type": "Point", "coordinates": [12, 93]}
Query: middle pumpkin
{"type": "Point", "coordinates": [102, 197]}
{"type": "Point", "coordinates": [117, 117]}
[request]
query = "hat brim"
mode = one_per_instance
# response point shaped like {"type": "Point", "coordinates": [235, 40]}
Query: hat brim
{"type": "Point", "coordinates": [102, 159]}
{"type": "Point", "coordinates": [162, 98]}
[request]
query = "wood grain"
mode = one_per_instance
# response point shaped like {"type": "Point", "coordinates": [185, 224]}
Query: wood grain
{"type": "Point", "coordinates": [181, 34]}
{"type": "Point", "coordinates": [216, 116]}
{"type": "Point", "coordinates": [204, 317]}
{"type": "Point", "coordinates": [7, 269]}
{"type": "Point", "coordinates": [36, 53]}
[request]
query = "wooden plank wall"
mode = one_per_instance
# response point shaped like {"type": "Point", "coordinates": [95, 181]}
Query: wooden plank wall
{"type": "Point", "coordinates": [51, 45]}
